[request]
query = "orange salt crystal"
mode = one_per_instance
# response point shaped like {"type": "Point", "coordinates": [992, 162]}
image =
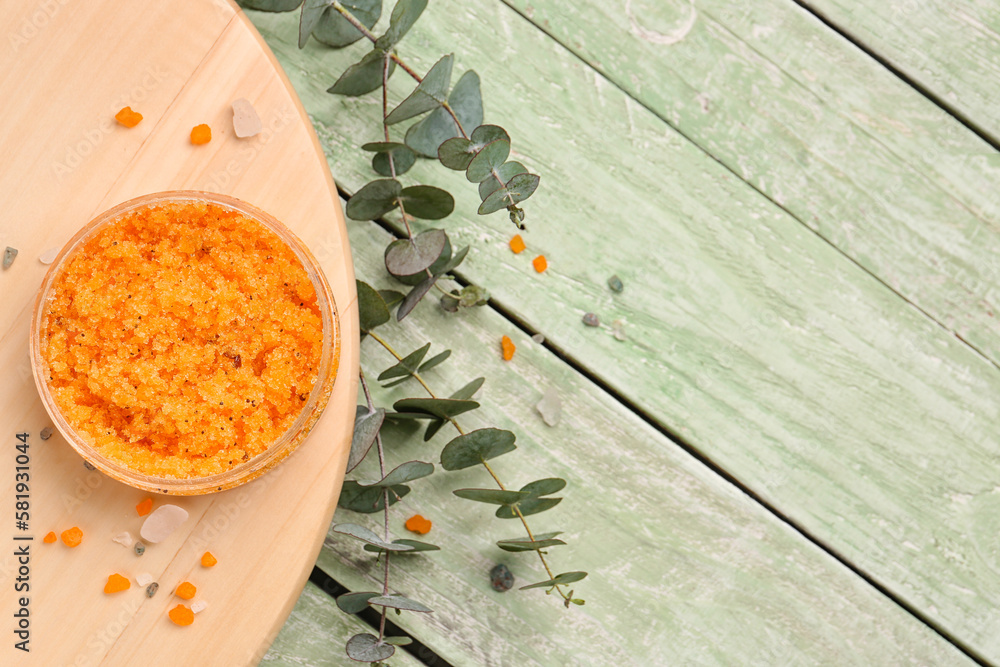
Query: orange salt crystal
{"type": "Point", "coordinates": [144, 507]}
{"type": "Point", "coordinates": [508, 348]}
{"type": "Point", "coordinates": [186, 590]}
{"type": "Point", "coordinates": [208, 560]}
{"type": "Point", "coordinates": [116, 583]}
{"type": "Point", "coordinates": [72, 537]}
{"type": "Point", "coordinates": [127, 117]}
{"type": "Point", "coordinates": [181, 615]}
{"type": "Point", "coordinates": [418, 524]}
{"type": "Point", "coordinates": [517, 244]}
{"type": "Point", "coordinates": [49, 538]}
{"type": "Point", "coordinates": [201, 134]}
{"type": "Point", "coordinates": [540, 263]}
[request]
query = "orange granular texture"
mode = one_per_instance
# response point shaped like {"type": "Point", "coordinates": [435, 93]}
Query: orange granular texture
{"type": "Point", "coordinates": [208, 560]}
{"type": "Point", "coordinates": [49, 538]}
{"type": "Point", "coordinates": [117, 583]}
{"type": "Point", "coordinates": [144, 506]}
{"type": "Point", "coordinates": [128, 118]}
{"type": "Point", "coordinates": [145, 326]}
{"type": "Point", "coordinates": [517, 244]}
{"type": "Point", "coordinates": [72, 537]}
{"type": "Point", "coordinates": [181, 615]}
{"type": "Point", "coordinates": [186, 590]}
{"type": "Point", "coordinates": [418, 524]}
{"type": "Point", "coordinates": [508, 348]}
{"type": "Point", "coordinates": [540, 263]}
{"type": "Point", "coordinates": [201, 134]}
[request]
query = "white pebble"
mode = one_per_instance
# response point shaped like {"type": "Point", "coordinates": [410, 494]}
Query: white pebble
{"type": "Point", "coordinates": [199, 606]}
{"type": "Point", "coordinates": [618, 328]}
{"type": "Point", "coordinates": [144, 579]}
{"type": "Point", "coordinates": [48, 256]}
{"type": "Point", "coordinates": [538, 338]}
{"type": "Point", "coordinates": [246, 122]}
{"type": "Point", "coordinates": [550, 407]}
{"type": "Point", "coordinates": [124, 538]}
{"type": "Point", "coordinates": [162, 522]}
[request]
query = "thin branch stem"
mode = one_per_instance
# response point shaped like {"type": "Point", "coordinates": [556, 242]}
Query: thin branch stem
{"type": "Point", "coordinates": [486, 465]}
{"type": "Point", "coordinates": [392, 162]}
{"type": "Point", "coordinates": [385, 502]}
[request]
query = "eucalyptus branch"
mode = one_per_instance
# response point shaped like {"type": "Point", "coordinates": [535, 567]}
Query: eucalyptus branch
{"type": "Point", "coordinates": [385, 503]}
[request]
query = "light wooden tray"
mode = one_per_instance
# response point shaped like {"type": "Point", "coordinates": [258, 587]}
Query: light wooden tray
{"type": "Point", "coordinates": [65, 69]}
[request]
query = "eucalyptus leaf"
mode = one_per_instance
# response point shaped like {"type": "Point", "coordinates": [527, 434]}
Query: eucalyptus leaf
{"type": "Point", "coordinates": [372, 309]}
{"type": "Point", "coordinates": [469, 390]}
{"type": "Point", "coordinates": [407, 257]}
{"type": "Point", "coordinates": [442, 408]}
{"type": "Point", "coordinates": [475, 447]}
{"type": "Point", "coordinates": [352, 603]}
{"type": "Point", "coordinates": [456, 153]}
{"type": "Point", "coordinates": [485, 134]}
{"type": "Point", "coordinates": [558, 580]}
{"type": "Point", "coordinates": [414, 296]}
{"type": "Point", "coordinates": [432, 428]}
{"type": "Point", "coordinates": [366, 535]}
{"type": "Point", "coordinates": [473, 295]}
{"type": "Point", "coordinates": [374, 200]}
{"type": "Point", "coordinates": [398, 641]}
{"type": "Point", "coordinates": [449, 303]}
{"type": "Point", "coordinates": [541, 541]}
{"type": "Point", "coordinates": [528, 507]}
{"type": "Point", "coordinates": [407, 365]}
{"type": "Point", "coordinates": [391, 297]}
{"type": "Point", "coordinates": [368, 499]}
{"type": "Point", "coordinates": [364, 76]}
{"type": "Point", "coordinates": [544, 487]}
{"type": "Point", "coordinates": [452, 263]}
{"type": "Point", "coordinates": [366, 427]}
{"type": "Point", "coordinates": [270, 5]}
{"type": "Point", "coordinates": [367, 648]}
{"type": "Point", "coordinates": [402, 159]}
{"type": "Point", "coordinates": [492, 496]}
{"type": "Point", "coordinates": [416, 546]}
{"type": "Point", "coordinates": [427, 202]}
{"type": "Point", "coordinates": [429, 94]}
{"type": "Point", "coordinates": [434, 361]}
{"type": "Point", "coordinates": [486, 160]}
{"type": "Point", "coordinates": [334, 30]}
{"type": "Point", "coordinates": [312, 11]}
{"type": "Point", "coordinates": [404, 15]}
{"type": "Point", "coordinates": [439, 267]}
{"type": "Point", "coordinates": [405, 472]}
{"type": "Point", "coordinates": [399, 602]}
{"type": "Point", "coordinates": [499, 178]}
{"type": "Point", "coordinates": [517, 189]}
{"type": "Point", "coordinates": [427, 135]}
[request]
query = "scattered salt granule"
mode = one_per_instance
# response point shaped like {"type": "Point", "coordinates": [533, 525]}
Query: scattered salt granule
{"type": "Point", "coordinates": [246, 122]}
{"type": "Point", "coordinates": [144, 579]}
{"type": "Point", "coordinates": [199, 606]}
{"type": "Point", "coordinates": [162, 522]}
{"type": "Point", "coordinates": [125, 539]}
{"type": "Point", "coordinates": [591, 320]}
{"type": "Point", "coordinates": [550, 407]}
{"type": "Point", "coordinates": [48, 256]}
{"type": "Point", "coordinates": [538, 338]}
{"type": "Point", "coordinates": [46, 433]}
{"type": "Point", "coordinates": [8, 256]}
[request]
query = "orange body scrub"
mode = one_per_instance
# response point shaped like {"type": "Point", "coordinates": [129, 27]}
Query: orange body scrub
{"type": "Point", "coordinates": [182, 339]}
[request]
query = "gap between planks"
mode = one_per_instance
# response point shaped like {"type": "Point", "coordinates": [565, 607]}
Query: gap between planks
{"type": "Point", "coordinates": [333, 588]}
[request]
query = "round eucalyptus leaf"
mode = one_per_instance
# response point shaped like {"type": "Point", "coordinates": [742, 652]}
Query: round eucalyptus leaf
{"type": "Point", "coordinates": [404, 15]}
{"type": "Point", "coordinates": [438, 268]}
{"type": "Point", "coordinates": [270, 5]}
{"type": "Point", "coordinates": [528, 507]}
{"type": "Point", "coordinates": [519, 188]}
{"type": "Point", "coordinates": [374, 200]}
{"type": "Point", "coordinates": [475, 447]}
{"type": "Point", "coordinates": [489, 158]}
{"type": "Point", "coordinates": [372, 309]}
{"type": "Point", "coordinates": [352, 603]}
{"type": "Point", "coordinates": [368, 499]}
{"type": "Point", "coordinates": [427, 202]}
{"type": "Point", "coordinates": [402, 159]}
{"type": "Point", "coordinates": [334, 30]}
{"type": "Point", "coordinates": [406, 257]}
{"type": "Point", "coordinates": [449, 303]}
{"type": "Point", "coordinates": [429, 94]}
{"type": "Point", "coordinates": [362, 77]}
{"type": "Point", "coordinates": [485, 134]}
{"type": "Point", "coordinates": [426, 135]}
{"type": "Point", "coordinates": [474, 295]}
{"type": "Point", "coordinates": [456, 153]}
{"type": "Point", "coordinates": [399, 602]}
{"type": "Point", "coordinates": [499, 178]}
{"type": "Point", "coordinates": [367, 648]}
{"type": "Point", "coordinates": [544, 487]}
{"type": "Point", "coordinates": [492, 496]}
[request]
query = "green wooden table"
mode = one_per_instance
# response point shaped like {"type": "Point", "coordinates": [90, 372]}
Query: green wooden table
{"type": "Point", "coordinates": [792, 458]}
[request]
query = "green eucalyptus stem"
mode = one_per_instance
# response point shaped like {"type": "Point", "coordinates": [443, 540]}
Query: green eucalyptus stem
{"type": "Point", "coordinates": [385, 503]}
{"type": "Point", "coordinates": [486, 465]}
{"type": "Point", "coordinates": [392, 163]}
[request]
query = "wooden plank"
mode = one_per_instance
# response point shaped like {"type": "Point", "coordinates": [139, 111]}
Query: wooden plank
{"type": "Point", "coordinates": [685, 569]}
{"type": "Point", "coordinates": [949, 48]}
{"type": "Point", "coordinates": [315, 633]}
{"type": "Point", "coordinates": [750, 337]}
{"type": "Point", "coordinates": [179, 64]}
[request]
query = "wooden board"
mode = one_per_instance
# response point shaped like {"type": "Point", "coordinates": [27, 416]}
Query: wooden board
{"type": "Point", "coordinates": [752, 339]}
{"type": "Point", "coordinates": [179, 64]}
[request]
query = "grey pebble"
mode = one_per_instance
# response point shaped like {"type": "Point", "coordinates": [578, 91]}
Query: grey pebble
{"type": "Point", "coordinates": [151, 589]}
{"type": "Point", "coordinates": [88, 465]}
{"type": "Point", "coordinates": [46, 433]}
{"type": "Point", "coordinates": [501, 579]}
{"type": "Point", "coordinates": [8, 256]}
{"type": "Point", "coordinates": [139, 548]}
{"type": "Point", "coordinates": [591, 320]}
{"type": "Point", "coordinates": [615, 283]}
